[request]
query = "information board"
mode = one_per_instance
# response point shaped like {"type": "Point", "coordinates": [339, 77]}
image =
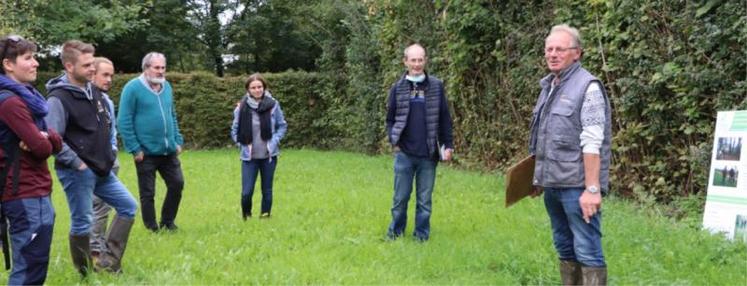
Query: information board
{"type": "Point", "coordinates": [726, 201]}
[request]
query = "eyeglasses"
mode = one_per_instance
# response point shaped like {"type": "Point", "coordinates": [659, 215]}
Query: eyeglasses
{"type": "Point", "coordinates": [14, 38]}
{"type": "Point", "coordinates": [8, 40]}
{"type": "Point", "coordinates": [559, 50]}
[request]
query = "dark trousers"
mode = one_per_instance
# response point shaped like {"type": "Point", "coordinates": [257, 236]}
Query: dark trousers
{"type": "Point", "coordinates": [249, 170]}
{"type": "Point", "coordinates": [170, 170]}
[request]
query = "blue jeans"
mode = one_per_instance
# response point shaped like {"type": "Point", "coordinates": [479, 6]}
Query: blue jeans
{"type": "Point", "coordinates": [31, 226]}
{"type": "Point", "coordinates": [423, 172]}
{"type": "Point", "coordinates": [574, 239]}
{"type": "Point", "coordinates": [249, 170]}
{"type": "Point", "coordinates": [100, 219]}
{"type": "Point", "coordinates": [79, 188]}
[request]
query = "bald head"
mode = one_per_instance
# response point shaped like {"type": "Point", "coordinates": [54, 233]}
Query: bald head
{"type": "Point", "coordinates": [415, 59]}
{"type": "Point", "coordinates": [414, 50]}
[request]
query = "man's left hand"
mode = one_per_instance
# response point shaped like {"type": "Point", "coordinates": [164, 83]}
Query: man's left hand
{"type": "Point", "coordinates": [590, 204]}
{"type": "Point", "coordinates": [178, 149]}
{"type": "Point", "coordinates": [536, 191]}
{"type": "Point", "coordinates": [447, 154]}
{"type": "Point", "coordinates": [23, 146]}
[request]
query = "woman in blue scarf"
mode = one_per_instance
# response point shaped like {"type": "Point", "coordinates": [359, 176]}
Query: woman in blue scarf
{"type": "Point", "coordinates": [26, 143]}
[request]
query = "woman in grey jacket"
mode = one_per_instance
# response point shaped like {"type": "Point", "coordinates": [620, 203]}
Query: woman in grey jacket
{"type": "Point", "coordinates": [258, 125]}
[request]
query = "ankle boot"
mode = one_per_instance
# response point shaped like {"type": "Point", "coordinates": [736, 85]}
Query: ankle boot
{"type": "Point", "coordinates": [594, 275]}
{"type": "Point", "coordinates": [80, 251]}
{"type": "Point", "coordinates": [570, 272]}
{"type": "Point", "coordinates": [116, 242]}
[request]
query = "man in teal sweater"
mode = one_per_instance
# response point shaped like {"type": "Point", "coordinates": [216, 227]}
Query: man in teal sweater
{"type": "Point", "coordinates": [150, 132]}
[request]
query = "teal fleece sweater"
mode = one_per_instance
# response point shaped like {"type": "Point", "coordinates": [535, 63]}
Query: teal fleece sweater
{"type": "Point", "coordinates": [147, 120]}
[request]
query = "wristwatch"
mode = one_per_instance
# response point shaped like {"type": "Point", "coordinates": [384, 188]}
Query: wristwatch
{"type": "Point", "coordinates": [592, 189]}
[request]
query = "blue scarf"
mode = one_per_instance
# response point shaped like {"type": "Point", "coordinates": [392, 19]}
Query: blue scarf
{"type": "Point", "coordinates": [417, 78]}
{"type": "Point", "coordinates": [33, 99]}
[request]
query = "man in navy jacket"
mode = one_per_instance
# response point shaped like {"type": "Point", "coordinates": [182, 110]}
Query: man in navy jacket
{"type": "Point", "coordinates": [418, 124]}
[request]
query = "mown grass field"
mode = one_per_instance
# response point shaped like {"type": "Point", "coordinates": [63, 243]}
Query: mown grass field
{"type": "Point", "coordinates": [330, 215]}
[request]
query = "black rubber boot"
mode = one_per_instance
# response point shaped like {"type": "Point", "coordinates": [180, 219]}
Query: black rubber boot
{"type": "Point", "coordinates": [594, 275]}
{"type": "Point", "coordinates": [80, 251]}
{"type": "Point", "coordinates": [116, 243]}
{"type": "Point", "coordinates": [570, 272]}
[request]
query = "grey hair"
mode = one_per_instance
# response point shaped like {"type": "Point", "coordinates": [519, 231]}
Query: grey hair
{"type": "Point", "coordinates": [570, 30]}
{"type": "Point", "coordinates": [149, 57]}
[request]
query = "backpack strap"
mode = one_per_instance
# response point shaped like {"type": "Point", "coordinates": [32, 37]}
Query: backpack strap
{"type": "Point", "coordinates": [5, 94]}
{"type": "Point", "coordinates": [12, 151]}
{"type": "Point", "coordinates": [11, 154]}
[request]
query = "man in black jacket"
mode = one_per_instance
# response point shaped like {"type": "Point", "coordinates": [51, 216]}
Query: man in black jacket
{"type": "Point", "coordinates": [84, 166]}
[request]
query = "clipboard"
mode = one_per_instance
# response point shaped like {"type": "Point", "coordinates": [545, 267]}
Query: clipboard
{"type": "Point", "coordinates": [519, 180]}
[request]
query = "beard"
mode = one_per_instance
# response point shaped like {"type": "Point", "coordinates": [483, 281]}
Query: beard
{"type": "Point", "coordinates": [156, 80]}
{"type": "Point", "coordinates": [81, 77]}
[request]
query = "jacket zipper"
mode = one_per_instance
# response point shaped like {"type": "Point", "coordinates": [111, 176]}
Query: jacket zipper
{"type": "Point", "coordinates": [163, 117]}
{"type": "Point", "coordinates": [545, 110]}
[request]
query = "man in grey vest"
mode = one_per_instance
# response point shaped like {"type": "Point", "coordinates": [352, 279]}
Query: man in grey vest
{"type": "Point", "coordinates": [570, 139]}
{"type": "Point", "coordinates": [419, 127]}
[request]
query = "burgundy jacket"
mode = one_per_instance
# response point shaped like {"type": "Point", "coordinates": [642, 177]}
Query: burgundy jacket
{"type": "Point", "coordinates": [34, 179]}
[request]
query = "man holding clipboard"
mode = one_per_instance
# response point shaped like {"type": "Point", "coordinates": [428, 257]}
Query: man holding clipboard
{"type": "Point", "coordinates": [570, 147]}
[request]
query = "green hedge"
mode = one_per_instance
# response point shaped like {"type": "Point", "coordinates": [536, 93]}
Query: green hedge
{"type": "Point", "coordinates": [669, 66]}
{"type": "Point", "coordinates": [205, 105]}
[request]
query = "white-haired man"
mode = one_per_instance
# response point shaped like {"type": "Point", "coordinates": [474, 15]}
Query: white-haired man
{"type": "Point", "coordinates": [150, 132]}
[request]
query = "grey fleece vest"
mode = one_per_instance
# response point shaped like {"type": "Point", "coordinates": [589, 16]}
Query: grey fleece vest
{"type": "Point", "coordinates": [556, 128]}
{"type": "Point", "coordinates": [432, 105]}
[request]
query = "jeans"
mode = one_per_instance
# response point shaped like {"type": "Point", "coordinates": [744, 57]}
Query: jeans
{"type": "Point", "coordinates": [79, 188]}
{"type": "Point", "coordinates": [423, 171]}
{"type": "Point", "coordinates": [171, 171]}
{"type": "Point", "coordinates": [249, 170]}
{"type": "Point", "coordinates": [574, 239]}
{"type": "Point", "coordinates": [100, 219]}
{"type": "Point", "coordinates": [31, 226]}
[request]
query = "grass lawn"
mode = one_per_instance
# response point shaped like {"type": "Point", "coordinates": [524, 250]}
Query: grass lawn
{"type": "Point", "coordinates": [330, 214]}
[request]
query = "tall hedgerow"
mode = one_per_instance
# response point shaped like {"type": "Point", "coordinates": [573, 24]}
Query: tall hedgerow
{"type": "Point", "coordinates": [668, 67]}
